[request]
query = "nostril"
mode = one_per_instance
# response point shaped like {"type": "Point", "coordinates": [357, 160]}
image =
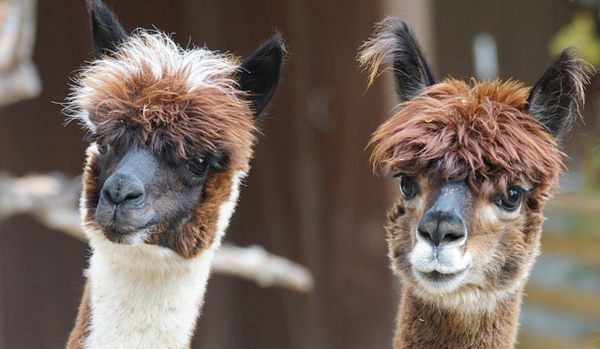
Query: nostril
{"type": "Point", "coordinates": [426, 229]}
{"type": "Point", "coordinates": [451, 237]}
{"type": "Point", "coordinates": [133, 195]}
{"type": "Point", "coordinates": [425, 235]}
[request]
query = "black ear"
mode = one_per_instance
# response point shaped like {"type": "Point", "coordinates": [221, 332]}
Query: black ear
{"type": "Point", "coordinates": [393, 42]}
{"type": "Point", "coordinates": [556, 98]}
{"type": "Point", "coordinates": [107, 32]}
{"type": "Point", "coordinates": [260, 73]}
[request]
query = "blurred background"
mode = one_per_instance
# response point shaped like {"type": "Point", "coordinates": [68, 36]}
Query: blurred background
{"type": "Point", "coordinates": [311, 196]}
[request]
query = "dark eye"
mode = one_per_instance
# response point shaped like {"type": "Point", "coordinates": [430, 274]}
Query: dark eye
{"type": "Point", "coordinates": [512, 200]}
{"type": "Point", "coordinates": [409, 187]}
{"type": "Point", "coordinates": [197, 165]}
{"type": "Point", "coordinates": [102, 147]}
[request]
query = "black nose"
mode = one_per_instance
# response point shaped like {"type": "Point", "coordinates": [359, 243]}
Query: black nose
{"type": "Point", "coordinates": [439, 227]}
{"type": "Point", "coordinates": [120, 188]}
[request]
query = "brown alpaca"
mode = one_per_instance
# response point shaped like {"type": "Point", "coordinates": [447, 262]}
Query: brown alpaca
{"type": "Point", "coordinates": [171, 136]}
{"type": "Point", "coordinates": [476, 163]}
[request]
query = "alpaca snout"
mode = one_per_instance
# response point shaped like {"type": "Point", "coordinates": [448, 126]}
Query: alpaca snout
{"type": "Point", "coordinates": [444, 222]}
{"type": "Point", "coordinates": [123, 209]}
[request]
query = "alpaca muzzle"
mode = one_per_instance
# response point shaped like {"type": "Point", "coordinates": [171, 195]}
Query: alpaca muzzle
{"type": "Point", "coordinates": [438, 259]}
{"type": "Point", "coordinates": [123, 208]}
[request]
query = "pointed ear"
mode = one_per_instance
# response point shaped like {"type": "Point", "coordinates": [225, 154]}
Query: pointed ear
{"type": "Point", "coordinates": [557, 97]}
{"type": "Point", "coordinates": [260, 73]}
{"type": "Point", "coordinates": [107, 32]}
{"type": "Point", "coordinates": [393, 42]}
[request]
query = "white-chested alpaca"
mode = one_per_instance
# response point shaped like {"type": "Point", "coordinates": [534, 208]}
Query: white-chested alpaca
{"type": "Point", "coordinates": [476, 164]}
{"type": "Point", "coordinates": [172, 133]}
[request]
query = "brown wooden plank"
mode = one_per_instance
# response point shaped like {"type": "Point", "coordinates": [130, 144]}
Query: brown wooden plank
{"type": "Point", "coordinates": [582, 304]}
{"type": "Point", "coordinates": [529, 341]}
{"type": "Point", "coordinates": [582, 248]}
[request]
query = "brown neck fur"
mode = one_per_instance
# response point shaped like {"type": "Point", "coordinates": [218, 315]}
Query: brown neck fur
{"type": "Point", "coordinates": [81, 329]}
{"type": "Point", "coordinates": [422, 325]}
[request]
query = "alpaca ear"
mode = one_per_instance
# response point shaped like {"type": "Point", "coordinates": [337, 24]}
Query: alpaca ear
{"type": "Point", "coordinates": [557, 97]}
{"type": "Point", "coordinates": [107, 32]}
{"type": "Point", "coordinates": [261, 72]}
{"type": "Point", "coordinates": [393, 42]}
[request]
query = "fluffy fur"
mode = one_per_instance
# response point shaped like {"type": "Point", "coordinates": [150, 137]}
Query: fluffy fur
{"type": "Point", "coordinates": [568, 75]}
{"type": "Point", "coordinates": [394, 43]}
{"type": "Point", "coordinates": [479, 132]}
{"type": "Point", "coordinates": [177, 103]}
{"type": "Point", "coordinates": [492, 137]}
{"type": "Point", "coordinates": [172, 134]}
{"type": "Point", "coordinates": [426, 326]}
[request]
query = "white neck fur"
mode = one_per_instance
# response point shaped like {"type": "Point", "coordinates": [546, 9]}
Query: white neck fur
{"type": "Point", "coordinates": [146, 296]}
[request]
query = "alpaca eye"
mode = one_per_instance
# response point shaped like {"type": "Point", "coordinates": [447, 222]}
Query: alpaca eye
{"type": "Point", "coordinates": [102, 147]}
{"type": "Point", "coordinates": [408, 186]}
{"type": "Point", "coordinates": [197, 165]}
{"type": "Point", "coordinates": [512, 200]}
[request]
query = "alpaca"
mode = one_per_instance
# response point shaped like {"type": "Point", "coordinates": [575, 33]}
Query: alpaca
{"type": "Point", "coordinates": [476, 163]}
{"type": "Point", "coordinates": [172, 134]}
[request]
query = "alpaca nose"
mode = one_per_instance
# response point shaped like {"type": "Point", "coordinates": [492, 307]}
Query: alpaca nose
{"type": "Point", "coordinates": [443, 223]}
{"type": "Point", "coordinates": [120, 188]}
{"type": "Point", "coordinates": [439, 227]}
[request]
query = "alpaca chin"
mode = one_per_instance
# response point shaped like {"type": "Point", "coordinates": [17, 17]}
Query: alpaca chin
{"type": "Point", "coordinates": [439, 269]}
{"type": "Point", "coordinates": [131, 238]}
{"type": "Point", "coordinates": [124, 226]}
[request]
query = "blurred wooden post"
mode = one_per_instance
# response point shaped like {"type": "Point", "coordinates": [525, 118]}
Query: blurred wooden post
{"type": "Point", "coordinates": [18, 76]}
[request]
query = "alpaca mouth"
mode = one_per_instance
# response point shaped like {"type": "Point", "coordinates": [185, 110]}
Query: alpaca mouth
{"type": "Point", "coordinates": [124, 225]}
{"type": "Point", "coordinates": [128, 235]}
{"type": "Point", "coordinates": [438, 277]}
{"type": "Point", "coordinates": [114, 232]}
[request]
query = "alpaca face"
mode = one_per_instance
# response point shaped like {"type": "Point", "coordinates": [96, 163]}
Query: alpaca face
{"type": "Point", "coordinates": [471, 207]}
{"type": "Point", "coordinates": [172, 133]}
{"type": "Point", "coordinates": [459, 249]}
{"type": "Point", "coordinates": [139, 194]}
{"type": "Point", "coordinates": [133, 195]}
{"type": "Point", "coordinates": [476, 163]}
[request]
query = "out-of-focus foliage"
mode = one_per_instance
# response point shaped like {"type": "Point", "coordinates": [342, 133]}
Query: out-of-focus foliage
{"type": "Point", "coordinates": [581, 32]}
{"type": "Point", "coordinates": [589, 3]}
{"type": "Point", "coordinates": [591, 166]}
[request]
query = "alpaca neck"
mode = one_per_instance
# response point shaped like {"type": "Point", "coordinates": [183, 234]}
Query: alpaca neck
{"type": "Point", "coordinates": [144, 296]}
{"type": "Point", "coordinates": [152, 301]}
{"type": "Point", "coordinates": [422, 325]}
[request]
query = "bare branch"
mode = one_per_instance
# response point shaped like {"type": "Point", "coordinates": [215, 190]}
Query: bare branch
{"type": "Point", "coordinates": [52, 200]}
{"type": "Point", "coordinates": [264, 268]}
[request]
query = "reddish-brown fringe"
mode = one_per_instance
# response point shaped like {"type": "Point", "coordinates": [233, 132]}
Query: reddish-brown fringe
{"type": "Point", "coordinates": [479, 132]}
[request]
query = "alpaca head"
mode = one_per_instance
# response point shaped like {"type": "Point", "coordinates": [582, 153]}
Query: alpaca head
{"type": "Point", "coordinates": [171, 132]}
{"type": "Point", "coordinates": [475, 163]}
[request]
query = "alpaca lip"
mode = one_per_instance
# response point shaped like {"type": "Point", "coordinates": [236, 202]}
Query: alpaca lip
{"type": "Point", "coordinates": [125, 233]}
{"type": "Point", "coordinates": [118, 221]}
{"type": "Point", "coordinates": [116, 233]}
{"type": "Point", "coordinates": [436, 276]}
{"type": "Point", "coordinates": [126, 236]}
